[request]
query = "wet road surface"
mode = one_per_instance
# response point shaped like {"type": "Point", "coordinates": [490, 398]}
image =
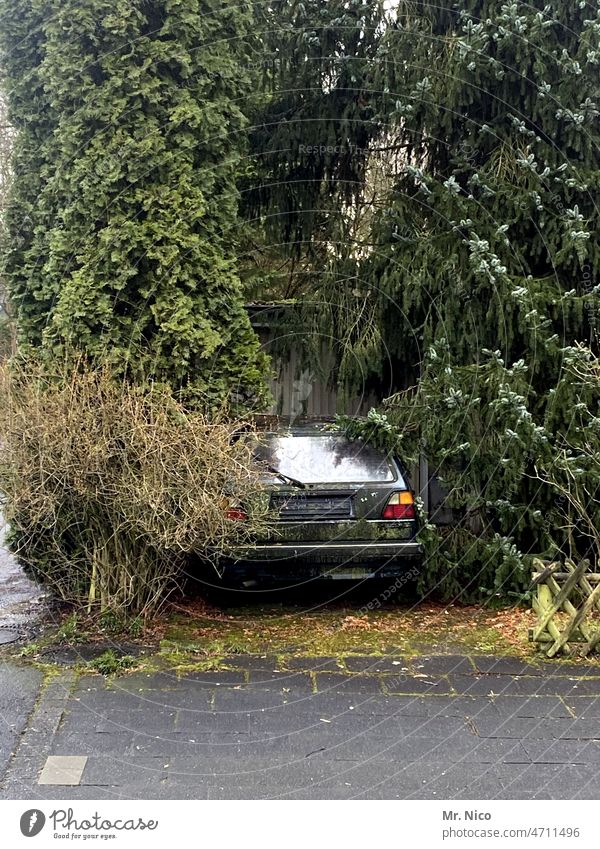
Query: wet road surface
{"type": "Point", "coordinates": [21, 600]}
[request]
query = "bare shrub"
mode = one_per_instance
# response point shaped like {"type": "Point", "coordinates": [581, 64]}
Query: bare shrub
{"type": "Point", "coordinates": [108, 489]}
{"type": "Point", "coordinates": [572, 469]}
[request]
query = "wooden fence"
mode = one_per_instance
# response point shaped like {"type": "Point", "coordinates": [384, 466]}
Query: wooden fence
{"type": "Point", "coordinates": [567, 604]}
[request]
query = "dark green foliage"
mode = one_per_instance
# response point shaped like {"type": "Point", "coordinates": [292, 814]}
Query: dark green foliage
{"type": "Point", "coordinates": [126, 166]}
{"type": "Point", "coordinates": [377, 430]}
{"type": "Point", "coordinates": [314, 126]}
{"type": "Point", "coordinates": [519, 483]}
{"type": "Point", "coordinates": [485, 267]}
{"type": "Point", "coordinates": [31, 113]}
{"type": "Point", "coordinates": [311, 144]}
{"type": "Point", "coordinates": [490, 235]}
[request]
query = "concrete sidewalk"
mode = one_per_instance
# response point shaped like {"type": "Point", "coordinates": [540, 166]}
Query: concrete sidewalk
{"type": "Point", "coordinates": [437, 727]}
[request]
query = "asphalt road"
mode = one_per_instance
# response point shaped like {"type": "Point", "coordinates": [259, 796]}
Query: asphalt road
{"type": "Point", "coordinates": [437, 727]}
{"type": "Point", "coordinates": [21, 600]}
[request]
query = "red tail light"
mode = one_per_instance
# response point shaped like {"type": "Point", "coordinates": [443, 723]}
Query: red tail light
{"type": "Point", "coordinates": [236, 514]}
{"type": "Point", "coordinates": [400, 506]}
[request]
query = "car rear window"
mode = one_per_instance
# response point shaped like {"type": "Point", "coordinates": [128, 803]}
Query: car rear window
{"type": "Point", "coordinates": [324, 459]}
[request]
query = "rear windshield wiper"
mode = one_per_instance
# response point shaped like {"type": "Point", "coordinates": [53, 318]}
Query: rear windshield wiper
{"type": "Point", "coordinates": [286, 478]}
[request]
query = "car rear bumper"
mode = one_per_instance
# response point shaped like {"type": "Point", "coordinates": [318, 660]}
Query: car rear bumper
{"type": "Point", "coordinates": [331, 553]}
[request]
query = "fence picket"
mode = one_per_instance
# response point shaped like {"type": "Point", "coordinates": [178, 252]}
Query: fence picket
{"type": "Point", "coordinates": [569, 589]}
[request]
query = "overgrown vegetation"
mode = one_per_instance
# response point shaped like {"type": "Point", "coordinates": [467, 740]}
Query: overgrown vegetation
{"type": "Point", "coordinates": [520, 482]}
{"type": "Point", "coordinates": [111, 663]}
{"type": "Point", "coordinates": [419, 179]}
{"type": "Point", "coordinates": [473, 285]}
{"type": "Point", "coordinates": [489, 248]}
{"type": "Point", "coordinates": [109, 489]}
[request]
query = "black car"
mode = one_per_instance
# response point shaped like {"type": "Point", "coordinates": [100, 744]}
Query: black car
{"type": "Point", "coordinates": [342, 509]}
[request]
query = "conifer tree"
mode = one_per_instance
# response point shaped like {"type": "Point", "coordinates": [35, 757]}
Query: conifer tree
{"type": "Point", "coordinates": [29, 111]}
{"type": "Point", "coordinates": [314, 123]}
{"type": "Point", "coordinates": [492, 229]}
{"type": "Point", "coordinates": [310, 143]}
{"type": "Point", "coordinates": [488, 252]}
{"type": "Point", "coordinates": [132, 174]}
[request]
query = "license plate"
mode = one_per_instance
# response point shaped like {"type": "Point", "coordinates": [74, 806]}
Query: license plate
{"type": "Point", "coordinates": [357, 574]}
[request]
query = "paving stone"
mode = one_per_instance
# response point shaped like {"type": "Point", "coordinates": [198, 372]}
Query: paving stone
{"type": "Point", "coordinates": [171, 788]}
{"type": "Point", "coordinates": [442, 665]}
{"type": "Point", "coordinates": [504, 685]}
{"type": "Point", "coordinates": [504, 666]}
{"type": "Point", "coordinates": [192, 698]}
{"type": "Point", "coordinates": [63, 770]}
{"type": "Point", "coordinates": [436, 780]}
{"type": "Point", "coordinates": [535, 707]}
{"type": "Point", "coordinates": [316, 778]}
{"type": "Point", "coordinates": [459, 747]}
{"type": "Point", "coordinates": [59, 689]}
{"type": "Point", "coordinates": [574, 670]}
{"type": "Point", "coordinates": [234, 792]}
{"type": "Point", "coordinates": [92, 792]}
{"type": "Point", "coordinates": [562, 751]}
{"type": "Point", "coordinates": [373, 664]}
{"type": "Point", "coordinates": [339, 700]}
{"type": "Point", "coordinates": [90, 680]}
{"type": "Point", "coordinates": [493, 752]}
{"type": "Point", "coordinates": [140, 682]}
{"type": "Point", "coordinates": [252, 661]}
{"type": "Point", "coordinates": [310, 706]}
{"type": "Point", "coordinates": [182, 743]}
{"type": "Point", "coordinates": [18, 692]}
{"type": "Point", "coordinates": [99, 701]}
{"type": "Point", "coordinates": [161, 717]}
{"type": "Point", "coordinates": [349, 725]}
{"type": "Point", "coordinates": [81, 743]}
{"type": "Point", "coordinates": [249, 701]}
{"type": "Point", "coordinates": [37, 732]}
{"type": "Point", "coordinates": [127, 722]}
{"type": "Point", "coordinates": [292, 681]}
{"type": "Point", "coordinates": [578, 687]}
{"type": "Point", "coordinates": [521, 728]}
{"type": "Point", "coordinates": [328, 681]}
{"type": "Point", "coordinates": [549, 781]}
{"type": "Point", "coordinates": [391, 727]}
{"type": "Point", "coordinates": [329, 743]}
{"type": "Point", "coordinates": [584, 706]}
{"type": "Point", "coordinates": [87, 717]}
{"type": "Point", "coordinates": [264, 768]}
{"type": "Point", "coordinates": [313, 664]}
{"type": "Point", "coordinates": [115, 772]}
{"type": "Point", "coordinates": [70, 655]}
{"type": "Point", "coordinates": [207, 722]}
{"type": "Point", "coordinates": [223, 678]}
{"type": "Point", "coordinates": [263, 726]}
{"type": "Point", "coordinates": [247, 750]}
{"type": "Point", "coordinates": [425, 706]}
{"type": "Point", "coordinates": [402, 684]}
{"type": "Point", "coordinates": [412, 705]}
